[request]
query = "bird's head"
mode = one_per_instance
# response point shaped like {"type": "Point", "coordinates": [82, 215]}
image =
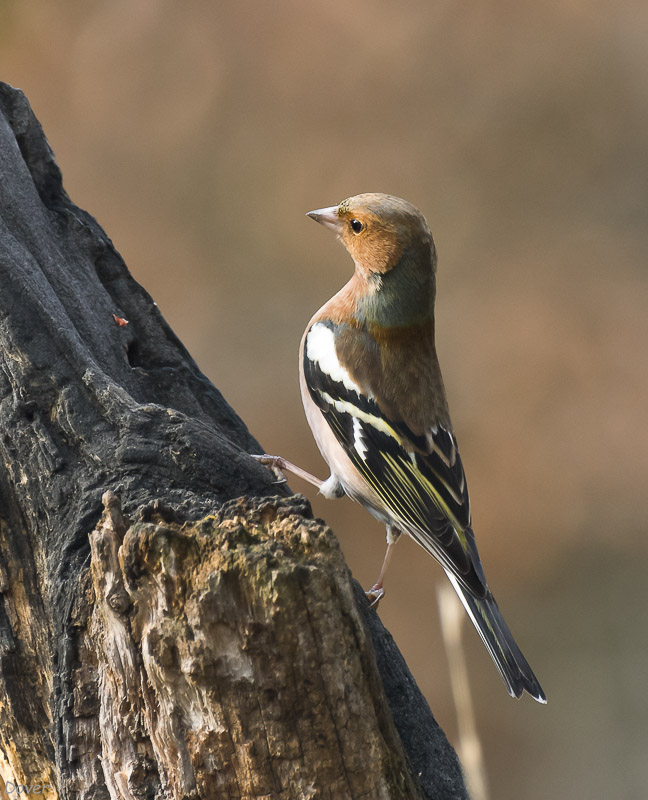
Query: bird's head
{"type": "Point", "coordinates": [379, 230]}
{"type": "Point", "coordinates": [393, 251]}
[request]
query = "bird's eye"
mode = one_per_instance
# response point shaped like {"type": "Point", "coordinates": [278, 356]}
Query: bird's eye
{"type": "Point", "coordinates": [356, 225]}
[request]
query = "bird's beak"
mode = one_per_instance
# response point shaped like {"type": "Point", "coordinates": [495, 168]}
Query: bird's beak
{"type": "Point", "coordinates": [328, 217]}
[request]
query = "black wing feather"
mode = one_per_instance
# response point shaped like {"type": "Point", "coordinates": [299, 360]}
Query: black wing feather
{"type": "Point", "coordinates": [420, 479]}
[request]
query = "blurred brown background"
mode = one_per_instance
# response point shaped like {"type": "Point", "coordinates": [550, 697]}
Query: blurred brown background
{"type": "Point", "coordinates": [200, 133]}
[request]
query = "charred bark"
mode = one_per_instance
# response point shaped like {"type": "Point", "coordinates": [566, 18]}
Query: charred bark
{"type": "Point", "coordinates": [189, 636]}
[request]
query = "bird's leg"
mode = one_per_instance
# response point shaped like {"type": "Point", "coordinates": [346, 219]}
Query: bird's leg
{"type": "Point", "coordinates": [278, 465]}
{"type": "Point", "coordinates": [376, 593]}
{"type": "Point", "coordinates": [330, 488]}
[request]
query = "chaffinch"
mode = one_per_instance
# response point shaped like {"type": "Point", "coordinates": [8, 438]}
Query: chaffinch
{"type": "Point", "coordinates": [374, 398]}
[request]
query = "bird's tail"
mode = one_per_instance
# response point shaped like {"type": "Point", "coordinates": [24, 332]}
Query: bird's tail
{"type": "Point", "coordinates": [512, 665]}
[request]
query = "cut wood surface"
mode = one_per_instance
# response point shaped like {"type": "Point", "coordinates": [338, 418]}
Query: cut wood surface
{"type": "Point", "coordinates": [172, 623]}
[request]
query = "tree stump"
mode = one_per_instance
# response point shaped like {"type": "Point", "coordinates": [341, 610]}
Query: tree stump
{"type": "Point", "coordinates": [167, 629]}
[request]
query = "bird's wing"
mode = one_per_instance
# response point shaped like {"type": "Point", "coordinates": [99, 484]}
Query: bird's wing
{"type": "Point", "coordinates": [419, 479]}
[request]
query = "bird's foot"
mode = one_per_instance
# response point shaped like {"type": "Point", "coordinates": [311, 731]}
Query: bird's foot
{"type": "Point", "coordinates": [375, 595]}
{"type": "Point", "coordinates": [274, 463]}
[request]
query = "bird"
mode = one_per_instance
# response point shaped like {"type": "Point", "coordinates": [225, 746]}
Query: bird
{"type": "Point", "coordinates": [375, 401]}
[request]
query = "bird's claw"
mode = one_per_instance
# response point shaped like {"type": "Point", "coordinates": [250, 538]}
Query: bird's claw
{"type": "Point", "coordinates": [375, 595]}
{"type": "Point", "coordinates": [275, 463]}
